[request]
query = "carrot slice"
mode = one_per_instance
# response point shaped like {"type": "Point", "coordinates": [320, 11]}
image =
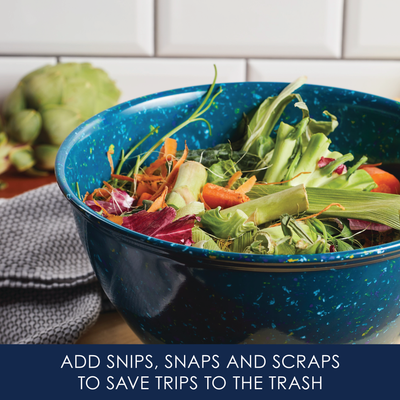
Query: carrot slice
{"type": "Point", "coordinates": [173, 174]}
{"type": "Point", "coordinates": [233, 179]}
{"type": "Point", "coordinates": [138, 177]}
{"type": "Point", "coordinates": [159, 202]}
{"type": "Point", "coordinates": [387, 183]}
{"type": "Point", "coordinates": [114, 218]}
{"type": "Point", "coordinates": [206, 206]}
{"type": "Point", "coordinates": [88, 196]}
{"type": "Point", "coordinates": [141, 188]}
{"type": "Point", "coordinates": [143, 196]}
{"type": "Point", "coordinates": [215, 196]}
{"type": "Point", "coordinates": [155, 165]}
{"type": "Point", "coordinates": [110, 160]}
{"type": "Point", "coordinates": [162, 152]}
{"type": "Point", "coordinates": [170, 146]}
{"type": "Point", "coordinates": [108, 186]}
{"type": "Point", "coordinates": [168, 151]}
{"type": "Point", "coordinates": [246, 187]}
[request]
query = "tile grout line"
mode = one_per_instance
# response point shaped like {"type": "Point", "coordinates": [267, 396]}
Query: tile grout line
{"type": "Point", "coordinates": [343, 28]}
{"type": "Point", "coordinates": [155, 30]}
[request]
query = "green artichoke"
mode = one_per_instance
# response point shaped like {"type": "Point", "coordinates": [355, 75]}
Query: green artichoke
{"type": "Point", "coordinates": [45, 107]}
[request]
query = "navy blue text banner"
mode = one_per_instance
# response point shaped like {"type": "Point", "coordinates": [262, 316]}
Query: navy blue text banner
{"type": "Point", "coordinates": [178, 371]}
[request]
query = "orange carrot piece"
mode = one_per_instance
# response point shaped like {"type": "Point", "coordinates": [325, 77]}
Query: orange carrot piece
{"type": "Point", "coordinates": [215, 196]}
{"type": "Point", "coordinates": [141, 188]}
{"type": "Point", "coordinates": [314, 215]}
{"type": "Point", "coordinates": [114, 218]}
{"type": "Point", "coordinates": [155, 165]}
{"type": "Point", "coordinates": [168, 151]}
{"type": "Point", "coordinates": [233, 179]}
{"type": "Point", "coordinates": [143, 196]}
{"type": "Point", "coordinates": [108, 186]}
{"type": "Point", "coordinates": [278, 183]}
{"type": "Point", "coordinates": [104, 193]}
{"type": "Point", "coordinates": [110, 160]}
{"type": "Point", "coordinates": [246, 187]}
{"type": "Point", "coordinates": [161, 153]}
{"type": "Point", "coordinates": [173, 174]}
{"type": "Point", "coordinates": [159, 202]}
{"type": "Point", "coordinates": [206, 206]}
{"type": "Point", "coordinates": [387, 183]}
{"type": "Point", "coordinates": [88, 196]}
{"type": "Point", "coordinates": [170, 146]}
{"type": "Point", "coordinates": [138, 178]}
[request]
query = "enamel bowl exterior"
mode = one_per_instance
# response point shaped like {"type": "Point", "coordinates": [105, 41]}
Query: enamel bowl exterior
{"type": "Point", "coordinates": [170, 293]}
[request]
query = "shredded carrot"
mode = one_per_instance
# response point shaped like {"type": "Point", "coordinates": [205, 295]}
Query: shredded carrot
{"type": "Point", "coordinates": [143, 196]}
{"type": "Point", "coordinates": [154, 186]}
{"type": "Point", "coordinates": [103, 193]}
{"type": "Point", "coordinates": [246, 187]}
{"type": "Point", "coordinates": [322, 211]}
{"type": "Point", "coordinates": [233, 179]}
{"type": "Point", "coordinates": [206, 206]}
{"type": "Point", "coordinates": [88, 196]}
{"type": "Point", "coordinates": [141, 188]}
{"type": "Point", "coordinates": [277, 183]}
{"type": "Point", "coordinates": [161, 153]}
{"type": "Point", "coordinates": [138, 177]}
{"type": "Point", "coordinates": [172, 175]}
{"type": "Point", "coordinates": [215, 196]}
{"type": "Point", "coordinates": [315, 215]}
{"type": "Point", "coordinates": [108, 186]}
{"type": "Point", "coordinates": [159, 202]}
{"type": "Point", "coordinates": [155, 165]}
{"type": "Point", "coordinates": [168, 151]}
{"type": "Point", "coordinates": [111, 217]}
{"type": "Point", "coordinates": [110, 160]}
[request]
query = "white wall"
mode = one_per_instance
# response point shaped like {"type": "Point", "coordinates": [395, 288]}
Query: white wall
{"type": "Point", "coordinates": [153, 45]}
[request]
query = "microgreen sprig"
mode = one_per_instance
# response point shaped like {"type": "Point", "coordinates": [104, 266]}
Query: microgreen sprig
{"type": "Point", "coordinates": [193, 118]}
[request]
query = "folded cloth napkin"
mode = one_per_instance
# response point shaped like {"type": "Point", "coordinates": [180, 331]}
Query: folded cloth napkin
{"type": "Point", "coordinates": [48, 290]}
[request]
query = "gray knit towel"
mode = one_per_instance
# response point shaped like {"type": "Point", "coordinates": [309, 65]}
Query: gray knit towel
{"type": "Point", "coordinates": [48, 290]}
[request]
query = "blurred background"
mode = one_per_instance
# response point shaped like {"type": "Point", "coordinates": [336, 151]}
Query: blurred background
{"type": "Point", "coordinates": [148, 46]}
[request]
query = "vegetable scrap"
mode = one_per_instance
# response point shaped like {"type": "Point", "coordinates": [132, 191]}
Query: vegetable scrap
{"type": "Point", "coordinates": [282, 192]}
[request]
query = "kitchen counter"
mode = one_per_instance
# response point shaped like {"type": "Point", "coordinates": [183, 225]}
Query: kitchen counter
{"type": "Point", "coordinates": [110, 328]}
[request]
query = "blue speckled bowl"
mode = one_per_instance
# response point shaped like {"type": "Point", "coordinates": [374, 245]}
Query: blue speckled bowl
{"type": "Point", "coordinates": [170, 293]}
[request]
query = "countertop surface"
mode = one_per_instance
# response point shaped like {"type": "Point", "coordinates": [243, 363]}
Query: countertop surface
{"type": "Point", "coordinates": [110, 328]}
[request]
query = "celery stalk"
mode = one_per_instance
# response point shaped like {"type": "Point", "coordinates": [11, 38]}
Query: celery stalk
{"type": "Point", "coordinates": [269, 208]}
{"type": "Point", "coordinates": [192, 176]}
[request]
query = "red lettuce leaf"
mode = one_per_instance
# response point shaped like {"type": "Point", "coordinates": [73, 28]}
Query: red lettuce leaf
{"type": "Point", "coordinates": [119, 202]}
{"type": "Point", "coordinates": [179, 231]}
{"type": "Point", "coordinates": [149, 223]}
{"type": "Point", "coordinates": [360, 225]}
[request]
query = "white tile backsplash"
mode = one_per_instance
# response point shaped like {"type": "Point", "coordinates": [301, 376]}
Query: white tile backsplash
{"type": "Point", "coordinates": [149, 46]}
{"type": "Point", "coordinates": [372, 29]}
{"type": "Point", "coordinates": [77, 27]}
{"type": "Point", "coordinates": [377, 77]}
{"type": "Point", "coordinates": [12, 69]}
{"type": "Point", "coordinates": [255, 28]}
{"type": "Point", "coordinates": [142, 76]}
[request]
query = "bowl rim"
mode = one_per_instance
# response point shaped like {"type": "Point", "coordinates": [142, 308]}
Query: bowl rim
{"type": "Point", "coordinates": [270, 262]}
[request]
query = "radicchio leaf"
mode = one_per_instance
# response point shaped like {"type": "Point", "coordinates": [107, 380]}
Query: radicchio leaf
{"type": "Point", "coordinates": [149, 223]}
{"type": "Point", "coordinates": [179, 231]}
{"type": "Point", "coordinates": [324, 161]}
{"type": "Point", "coordinates": [119, 202]}
{"type": "Point", "coordinates": [360, 225]}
